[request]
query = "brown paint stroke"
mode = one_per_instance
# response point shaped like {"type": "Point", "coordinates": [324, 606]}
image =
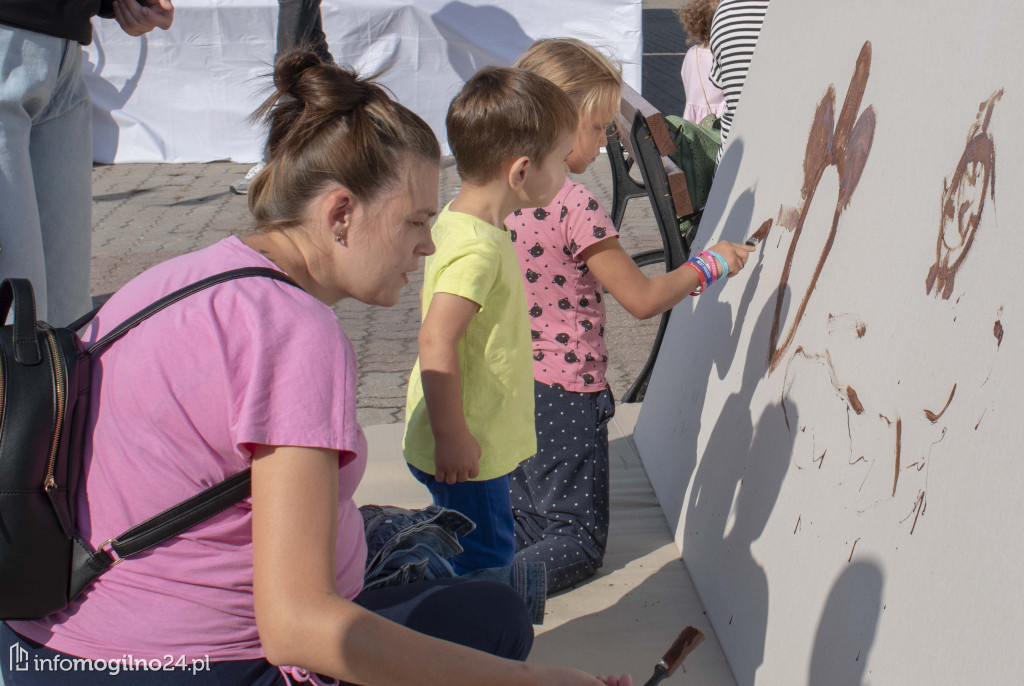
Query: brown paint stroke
{"type": "Point", "coordinates": [963, 200]}
{"type": "Point", "coordinates": [820, 459]}
{"type": "Point", "coordinates": [826, 361]}
{"type": "Point", "coordinates": [851, 556]}
{"type": "Point", "coordinates": [854, 400]}
{"type": "Point", "coordinates": [899, 442]}
{"type": "Point", "coordinates": [861, 329]}
{"type": "Point", "coordinates": [920, 505]}
{"type": "Point", "coordinates": [933, 417]}
{"type": "Point", "coordinates": [762, 231]}
{"type": "Point", "coordinates": [997, 331]}
{"type": "Point", "coordinates": [846, 145]}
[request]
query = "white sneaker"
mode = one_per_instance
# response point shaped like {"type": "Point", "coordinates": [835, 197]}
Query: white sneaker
{"type": "Point", "coordinates": [241, 187]}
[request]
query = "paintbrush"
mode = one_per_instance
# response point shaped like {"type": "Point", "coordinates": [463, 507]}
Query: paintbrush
{"type": "Point", "coordinates": [688, 639]}
{"type": "Point", "coordinates": [760, 234]}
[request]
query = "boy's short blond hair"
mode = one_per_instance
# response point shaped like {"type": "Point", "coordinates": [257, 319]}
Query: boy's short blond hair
{"type": "Point", "coordinates": [591, 80]}
{"type": "Point", "coordinates": [501, 114]}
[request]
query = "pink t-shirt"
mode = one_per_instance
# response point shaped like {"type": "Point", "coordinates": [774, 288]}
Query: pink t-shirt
{"type": "Point", "coordinates": [566, 301]}
{"type": "Point", "coordinates": [176, 405]}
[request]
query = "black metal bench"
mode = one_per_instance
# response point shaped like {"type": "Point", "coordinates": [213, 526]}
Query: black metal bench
{"type": "Point", "coordinates": [648, 145]}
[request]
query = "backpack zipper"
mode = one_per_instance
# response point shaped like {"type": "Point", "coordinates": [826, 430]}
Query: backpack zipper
{"type": "Point", "coordinates": [60, 383]}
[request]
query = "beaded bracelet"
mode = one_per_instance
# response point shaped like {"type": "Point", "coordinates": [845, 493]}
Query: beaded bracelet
{"type": "Point", "coordinates": [725, 265]}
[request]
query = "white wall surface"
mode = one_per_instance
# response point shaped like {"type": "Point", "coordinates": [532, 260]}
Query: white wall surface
{"type": "Point", "coordinates": [184, 95]}
{"type": "Point", "coordinates": [840, 527]}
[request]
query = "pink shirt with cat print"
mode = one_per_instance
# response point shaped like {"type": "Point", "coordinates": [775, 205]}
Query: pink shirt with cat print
{"type": "Point", "coordinates": [566, 301]}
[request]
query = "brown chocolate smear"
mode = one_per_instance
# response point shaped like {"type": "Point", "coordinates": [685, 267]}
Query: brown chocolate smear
{"type": "Point", "coordinates": [899, 441]}
{"type": "Point", "coordinates": [855, 403]}
{"type": "Point", "coordinates": [846, 144]}
{"type": "Point", "coordinates": [963, 201]}
{"type": "Point", "coordinates": [933, 417]}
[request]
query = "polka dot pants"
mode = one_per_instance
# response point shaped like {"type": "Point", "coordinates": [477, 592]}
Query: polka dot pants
{"type": "Point", "coordinates": [560, 495]}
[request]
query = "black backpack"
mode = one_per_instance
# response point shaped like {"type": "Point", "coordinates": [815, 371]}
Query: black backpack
{"type": "Point", "coordinates": [45, 374]}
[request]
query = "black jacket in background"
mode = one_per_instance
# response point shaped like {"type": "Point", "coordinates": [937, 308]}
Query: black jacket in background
{"type": "Point", "coordinates": [61, 18]}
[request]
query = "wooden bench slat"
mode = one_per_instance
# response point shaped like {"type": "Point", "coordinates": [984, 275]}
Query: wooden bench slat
{"type": "Point", "coordinates": [633, 101]}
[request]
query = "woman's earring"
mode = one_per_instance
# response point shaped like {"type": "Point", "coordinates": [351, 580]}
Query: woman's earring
{"type": "Point", "coordinates": [337, 239]}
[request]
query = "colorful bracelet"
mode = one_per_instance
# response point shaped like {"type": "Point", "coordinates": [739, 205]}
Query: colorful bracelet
{"type": "Point", "coordinates": [702, 264]}
{"type": "Point", "coordinates": [725, 265]}
{"type": "Point", "coordinates": [700, 277]}
{"type": "Point", "coordinates": [716, 271]}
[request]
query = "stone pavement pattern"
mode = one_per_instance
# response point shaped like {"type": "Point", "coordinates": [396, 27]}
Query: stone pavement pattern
{"type": "Point", "coordinates": [146, 213]}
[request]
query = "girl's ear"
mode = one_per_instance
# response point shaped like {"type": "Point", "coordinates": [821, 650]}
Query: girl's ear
{"type": "Point", "coordinates": [517, 173]}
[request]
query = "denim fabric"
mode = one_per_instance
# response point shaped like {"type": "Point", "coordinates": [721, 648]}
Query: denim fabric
{"type": "Point", "coordinates": [529, 579]}
{"type": "Point", "coordinates": [408, 546]}
{"type": "Point", "coordinates": [45, 171]}
{"type": "Point", "coordinates": [560, 495]}
{"type": "Point", "coordinates": [492, 543]}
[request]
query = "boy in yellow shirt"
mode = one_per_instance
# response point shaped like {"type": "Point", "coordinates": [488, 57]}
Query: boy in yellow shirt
{"type": "Point", "coordinates": [469, 409]}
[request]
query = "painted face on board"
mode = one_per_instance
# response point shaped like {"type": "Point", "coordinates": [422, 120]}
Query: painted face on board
{"type": "Point", "coordinates": [589, 138]}
{"type": "Point", "coordinates": [544, 180]}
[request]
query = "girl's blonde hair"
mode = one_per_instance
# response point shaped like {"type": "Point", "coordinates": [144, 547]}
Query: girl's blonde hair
{"type": "Point", "coordinates": [696, 17]}
{"type": "Point", "coordinates": [590, 79]}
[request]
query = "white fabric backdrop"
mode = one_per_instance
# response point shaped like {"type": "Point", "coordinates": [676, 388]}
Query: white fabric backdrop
{"type": "Point", "coordinates": [184, 95]}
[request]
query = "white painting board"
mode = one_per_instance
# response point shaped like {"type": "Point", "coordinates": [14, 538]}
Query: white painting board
{"type": "Point", "coordinates": [184, 95]}
{"type": "Point", "coordinates": [838, 448]}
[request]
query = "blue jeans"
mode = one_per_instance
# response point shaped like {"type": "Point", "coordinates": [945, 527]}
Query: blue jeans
{"type": "Point", "coordinates": [492, 543]}
{"type": "Point", "coordinates": [484, 615]}
{"type": "Point", "coordinates": [45, 171]}
{"type": "Point", "coordinates": [560, 495]}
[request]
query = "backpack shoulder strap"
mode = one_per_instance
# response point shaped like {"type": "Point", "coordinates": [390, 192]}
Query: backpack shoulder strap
{"type": "Point", "coordinates": [182, 293]}
{"type": "Point", "coordinates": [87, 564]}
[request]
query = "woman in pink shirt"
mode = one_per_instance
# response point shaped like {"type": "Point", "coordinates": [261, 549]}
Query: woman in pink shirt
{"type": "Point", "coordinates": [702, 96]}
{"type": "Point", "coordinates": [256, 372]}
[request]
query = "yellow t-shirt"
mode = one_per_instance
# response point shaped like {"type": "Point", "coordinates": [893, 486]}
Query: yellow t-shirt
{"type": "Point", "coordinates": [477, 261]}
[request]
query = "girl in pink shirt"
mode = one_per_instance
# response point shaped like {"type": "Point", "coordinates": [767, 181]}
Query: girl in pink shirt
{"type": "Point", "coordinates": [568, 252]}
{"type": "Point", "coordinates": [258, 373]}
{"type": "Point", "coordinates": [702, 96]}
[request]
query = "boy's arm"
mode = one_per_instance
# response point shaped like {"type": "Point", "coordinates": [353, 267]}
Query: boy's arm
{"type": "Point", "coordinates": [456, 451]}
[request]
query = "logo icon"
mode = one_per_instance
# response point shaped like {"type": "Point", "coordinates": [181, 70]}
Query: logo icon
{"type": "Point", "coordinates": [18, 658]}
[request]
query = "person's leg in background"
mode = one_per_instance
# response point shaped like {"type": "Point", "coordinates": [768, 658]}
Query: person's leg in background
{"type": "Point", "coordinates": [61, 151]}
{"type": "Point", "coordinates": [299, 22]}
{"type": "Point", "coordinates": [560, 495]}
{"type": "Point", "coordinates": [45, 171]}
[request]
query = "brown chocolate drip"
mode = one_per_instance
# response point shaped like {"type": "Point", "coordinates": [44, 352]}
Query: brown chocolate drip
{"type": "Point", "coordinates": [963, 201]}
{"type": "Point", "coordinates": [933, 417]}
{"type": "Point", "coordinates": [899, 442]}
{"type": "Point", "coordinates": [846, 145]}
{"type": "Point", "coordinates": [854, 400]}
{"type": "Point", "coordinates": [997, 331]}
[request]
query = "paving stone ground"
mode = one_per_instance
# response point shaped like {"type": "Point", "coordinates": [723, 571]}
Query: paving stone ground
{"type": "Point", "coordinates": [146, 213]}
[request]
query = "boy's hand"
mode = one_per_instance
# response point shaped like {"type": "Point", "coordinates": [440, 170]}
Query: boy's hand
{"type": "Point", "coordinates": [735, 254]}
{"type": "Point", "coordinates": [456, 458]}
